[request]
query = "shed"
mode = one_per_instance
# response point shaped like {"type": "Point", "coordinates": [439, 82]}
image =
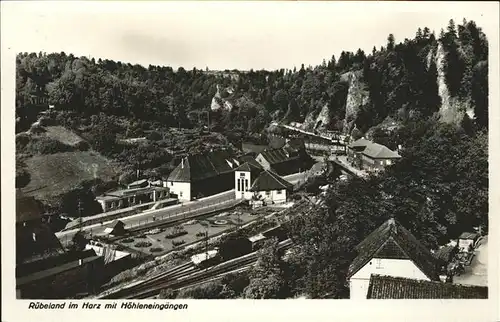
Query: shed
{"type": "Point", "coordinates": [466, 241]}
{"type": "Point", "coordinates": [116, 228]}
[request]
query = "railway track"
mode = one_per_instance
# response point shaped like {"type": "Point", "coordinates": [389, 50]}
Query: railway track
{"type": "Point", "coordinates": [186, 275]}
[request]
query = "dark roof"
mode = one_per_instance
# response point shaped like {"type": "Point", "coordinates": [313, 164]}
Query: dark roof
{"type": "Point", "coordinates": [203, 166]}
{"type": "Point", "coordinates": [44, 244]}
{"type": "Point", "coordinates": [392, 240]}
{"type": "Point", "coordinates": [269, 180]}
{"type": "Point", "coordinates": [117, 223]}
{"type": "Point", "coordinates": [250, 159]}
{"type": "Point", "coordinates": [27, 208]}
{"type": "Point", "coordinates": [387, 287]}
{"type": "Point", "coordinates": [248, 167]}
{"type": "Point", "coordinates": [55, 270]}
{"type": "Point", "coordinates": [279, 156]}
{"type": "Point", "coordinates": [276, 142]}
{"type": "Point", "coordinates": [254, 148]}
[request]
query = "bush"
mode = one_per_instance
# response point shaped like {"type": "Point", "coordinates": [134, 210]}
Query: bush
{"type": "Point", "coordinates": [22, 139]}
{"type": "Point", "coordinates": [176, 243]}
{"type": "Point", "coordinates": [210, 290]}
{"type": "Point", "coordinates": [143, 244]}
{"type": "Point", "coordinates": [82, 146]}
{"type": "Point", "coordinates": [168, 294]}
{"type": "Point", "coordinates": [128, 240]}
{"type": "Point", "coordinates": [156, 249]}
{"type": "Point", "coordinates": [46, 146]}
{"type": "Point", "coordinates": [37, 129]}
{"type": "Point", "coordinates": [200, 234]}
{"type": "Point", "coordinates": [177, 231]}
{"type": "Point", "coordinates": [46, 121]}
{"type": "Point", "coordinates": [154, 136]}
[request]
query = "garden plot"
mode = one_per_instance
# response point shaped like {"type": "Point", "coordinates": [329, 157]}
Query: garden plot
{"type": "Point", "coordinates": [159, 241]}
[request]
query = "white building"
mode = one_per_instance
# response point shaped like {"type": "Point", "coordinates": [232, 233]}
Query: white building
{"type": "Point", "coordinates": [390, 250]}
{"type": "Point", "coordinates": [243, 176]}
{"type": "Point", "coordinates": [466, 241]}
{"type": "Point", "coordinates": [269, 188]}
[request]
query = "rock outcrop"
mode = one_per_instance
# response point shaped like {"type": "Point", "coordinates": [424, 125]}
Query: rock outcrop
{"type": "Point", "coordinates": [357, 96]}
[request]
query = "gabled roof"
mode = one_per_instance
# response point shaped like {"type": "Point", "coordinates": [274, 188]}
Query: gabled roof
{"type": "Point", "coordinates": [250, 159]}
{"type": "Point", "coordinates": [27, 208]}
{"type": "Point", "coordinates": [268, 181]}
{"type": "Point", "coordinates": [392, 240]}
{"type": "Point", "coordinates": [203, 166]}
{"type": "Point", "coordinates": [360, 143]}
{"type": "Point", "coordinates": [379, 151]}
{"type": "Point", "coordinates": [279, 156]}
{"type": "Point", "coordinates": [387, 287]}
{"type": "Point", "coordinates": [374, 150]}
{"type": "Point", "coordinates": [248, 167]}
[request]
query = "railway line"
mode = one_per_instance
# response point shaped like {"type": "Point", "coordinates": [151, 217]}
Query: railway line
{"type": "Point", "coordinates": [186, 275]}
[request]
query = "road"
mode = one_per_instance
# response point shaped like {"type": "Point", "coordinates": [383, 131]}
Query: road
{"type": "Point", "coordinates": [175, 211]}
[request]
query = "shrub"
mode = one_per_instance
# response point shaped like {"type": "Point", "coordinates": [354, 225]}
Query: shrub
{"type": "Point", "coordinates": [168, 294]}
{"type": "Point", "coordinates": [200, 234]}
{"type": "Point", "coordinates": [82, 146]}
{"type": "Point", "coordinates": [176, 243]}
{"type": "Point", "coordinates": [22, 139]}
{"type": "Point", "coordinates": [37, 129]}
{"type": "Point", "coordinates": [46, 121]}
{"type": "Point", "coordinates": [128, 240]}
{"type": "Point", "coordinates": [142, 244]}
{"type": "Point", "coordinates": [176, 231]}
{"type": "Point", "coordinates": [47, 146]}
{"type": "Point", "coordinates": [210, 290]}
{"type": "Point", "coordinates": [156, 249]}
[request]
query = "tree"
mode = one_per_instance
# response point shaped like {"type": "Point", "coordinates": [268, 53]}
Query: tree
{"type": "Point", "coordinates": [266, 277]}
{"type": "Point", "coordinates": [390, 42]}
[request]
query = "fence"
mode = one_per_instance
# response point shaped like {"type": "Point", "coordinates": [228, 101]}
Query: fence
{"type": "Point", "coordinates": [154, 218]}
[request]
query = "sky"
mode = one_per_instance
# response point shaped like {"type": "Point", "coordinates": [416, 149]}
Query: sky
{"type": "Point", "coordinates": [223, 35]}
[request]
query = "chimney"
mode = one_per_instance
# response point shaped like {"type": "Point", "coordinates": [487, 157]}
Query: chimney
{"type": "Point", "coordinates": [182, 163]}
{"type": "Point", "coordinates": [80, 262]}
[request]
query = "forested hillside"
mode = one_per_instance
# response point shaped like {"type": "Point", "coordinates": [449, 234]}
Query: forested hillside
{"type": "Point", "coordinates": [440, 77]}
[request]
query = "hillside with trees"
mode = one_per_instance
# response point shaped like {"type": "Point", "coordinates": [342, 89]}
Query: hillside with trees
{"type": "Point", "coordinates": [428, 94]}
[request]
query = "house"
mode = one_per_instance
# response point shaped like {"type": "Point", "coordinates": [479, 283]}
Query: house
{"type": "Point", "coordinates": [244, 176]}
{"type": "Point", "coordinates": [62, 281]}
{"type": "Point", "coordinates": [132, 196]}
{"type": "Point", "coordinates": [269, 188]}
{"type": "Point", "coordinates": [367, 155]}
{"type": "Point", "coordinates": [203, 175]}
{"type": "Point", "coordinates": [393, 251]}
{"type": "Point", "coordinates": [34, 238]}
{"type": "Point", "coordinates": [388, 287]}
{"type": "Point", "coordinates": [466, 241]}
{"type": "Point", "coordinates": [291, 158]}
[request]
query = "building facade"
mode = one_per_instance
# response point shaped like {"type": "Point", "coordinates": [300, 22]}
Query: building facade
{"type": "Point", "coordinates": [367, 155]}
{"type": "Point", "coordinates": [129, 197]}
{"type": "Point", "coordinates": [269, 188]}
{"type": "Point", "coordinates": [390, 250]}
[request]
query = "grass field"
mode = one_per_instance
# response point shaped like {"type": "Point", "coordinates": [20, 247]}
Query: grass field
{"type": "Point", "coordinates": [62, 134]}
{"type": "Point", "coordinates": [55, 174]}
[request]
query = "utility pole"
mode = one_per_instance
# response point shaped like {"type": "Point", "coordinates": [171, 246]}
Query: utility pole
{"type": "Point", "coordinates": [206, 246]}
{"type": "Point", "coordinates": [80, 220]}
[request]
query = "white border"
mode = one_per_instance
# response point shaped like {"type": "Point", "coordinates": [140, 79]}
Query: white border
{"type": "Point", "coordinates": [242, 310]}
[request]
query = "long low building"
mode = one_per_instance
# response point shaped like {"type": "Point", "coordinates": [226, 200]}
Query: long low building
{"type": "Point", "coordinates": [367, 155]}
{"type": "Point", "coordinates": [201, 175]}
{"type": "Point", "coordinates": [129, 197]}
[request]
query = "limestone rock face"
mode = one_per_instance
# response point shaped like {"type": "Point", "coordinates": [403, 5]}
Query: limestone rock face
{"type": "Point", "coordinates": [357, 96]}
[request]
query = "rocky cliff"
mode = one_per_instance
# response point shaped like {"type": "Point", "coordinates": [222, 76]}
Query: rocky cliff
{"type": "Point", "coordinates": [357, 96]}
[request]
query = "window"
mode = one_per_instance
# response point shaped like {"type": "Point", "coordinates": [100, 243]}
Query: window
{"type": "Point", "coordinates": [180, 194]}
{"type": "Point", "coordinates": [239, 185]}
{"type": "Point", "coordinates": [171, 183]}
{"type": "Point", "coordinates": [280, 192]}
{"type": "Point", "coordinates": [378, 262]}
{"type": "Point", "coordinates": [242, 174]}
{"type": "Point", "coordinates": [268, 193]}
{"type": "Point", "coordinates": [246, 184]}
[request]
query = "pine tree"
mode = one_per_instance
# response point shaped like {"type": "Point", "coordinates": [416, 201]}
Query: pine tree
{"type": "Point", "coordinates": [390, 42]}
{"type": "Point", "coordinates": [419, 34]}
